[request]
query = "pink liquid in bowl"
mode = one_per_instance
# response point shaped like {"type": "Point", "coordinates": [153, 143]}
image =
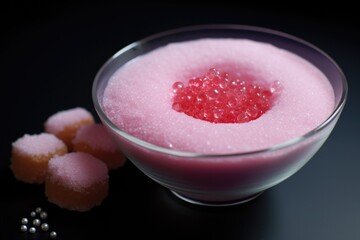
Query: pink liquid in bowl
{"type": "Point", "coordinates": [210, 161]}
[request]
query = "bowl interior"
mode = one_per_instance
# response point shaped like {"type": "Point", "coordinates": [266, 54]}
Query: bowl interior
{"type": "Point", "coordinates": [282, 40]}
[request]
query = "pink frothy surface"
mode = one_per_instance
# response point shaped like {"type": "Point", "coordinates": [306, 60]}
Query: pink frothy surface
{"type": "Point", "coordinates": [37, 144]}
{"type": "Point", "coordinates": [138, 97]}
{"type": "Point", "coordinates": [58, 121]}
{"type": "Point", "coordinates": [77, 171]}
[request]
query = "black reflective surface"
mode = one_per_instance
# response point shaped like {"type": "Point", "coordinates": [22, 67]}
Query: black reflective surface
{"type": "Point", "coordinates": [50, 55]}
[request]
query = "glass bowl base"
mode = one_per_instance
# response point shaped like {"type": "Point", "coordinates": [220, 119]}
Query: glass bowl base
{"type": "Point", "coordinates": [216, 203]}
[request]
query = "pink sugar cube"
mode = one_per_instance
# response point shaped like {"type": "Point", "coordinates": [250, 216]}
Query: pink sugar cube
{"type": "Point", "coordinates": [76, 181]}
{"type": "Point", "coordinates": [64, 124]}
{"type": "Point", "coordinates": [95, 140]}
{"type": "Point", "coordinates": [31, 154]}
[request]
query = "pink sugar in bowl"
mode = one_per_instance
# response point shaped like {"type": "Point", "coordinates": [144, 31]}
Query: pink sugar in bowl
{"type": "Point", "coordinates": [219, 113]}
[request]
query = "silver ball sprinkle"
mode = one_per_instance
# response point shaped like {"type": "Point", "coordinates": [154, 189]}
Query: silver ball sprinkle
{"type": "Point", "coordinates": [43, 215]}
{"type": "Point", "coordinates": [36, 222]}
{"type": "Point", "coordinates": [53, 234]}
{"type": "Point", "coordinates": [44, 227]}
{"type": "Point", "coordinates": [23, 228]}
{"type": "Point", "coordinates": [38, 210]}
{"type": "Point", "coordinates": [33, 214]}
{"type": "Point", "coordinates": [24, 221]}
{"type": "Point", "coordinates": [32, 230]}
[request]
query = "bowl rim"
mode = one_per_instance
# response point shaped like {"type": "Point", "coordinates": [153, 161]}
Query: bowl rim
{"type": "Point", "coordinates": [150, 146]}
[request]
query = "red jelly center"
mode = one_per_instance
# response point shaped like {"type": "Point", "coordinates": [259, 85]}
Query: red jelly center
{"type": "Point", "coordinates": [218, 97]}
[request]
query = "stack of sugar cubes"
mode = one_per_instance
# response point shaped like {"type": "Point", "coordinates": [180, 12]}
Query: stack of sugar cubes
{"type": "Point", "coordinates": [71, 157]}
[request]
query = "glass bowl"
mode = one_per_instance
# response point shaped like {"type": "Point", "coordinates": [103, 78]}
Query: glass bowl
{"type": "Point", "coordinates": [222, 179]}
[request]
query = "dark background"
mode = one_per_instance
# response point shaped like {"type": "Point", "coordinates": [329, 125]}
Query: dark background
{"type": "Point", "coordinates": [49, 57]}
